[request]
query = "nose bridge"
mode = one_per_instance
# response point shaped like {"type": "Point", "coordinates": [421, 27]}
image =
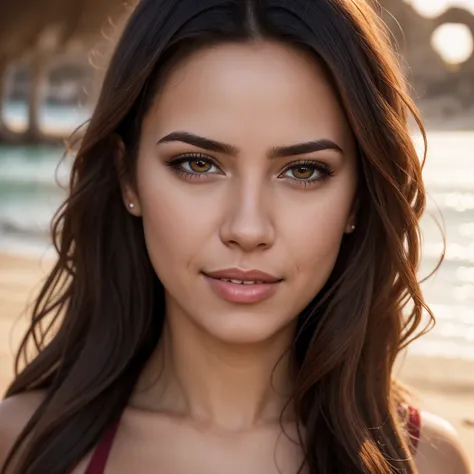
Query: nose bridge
{"type": "Point", "coordinates": [248, 222]}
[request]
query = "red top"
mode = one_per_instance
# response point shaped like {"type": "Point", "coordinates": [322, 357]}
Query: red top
{"type": "Point", "coordinates": [101, 454]}
{"type": "Point", "coordinates": [414, 426]}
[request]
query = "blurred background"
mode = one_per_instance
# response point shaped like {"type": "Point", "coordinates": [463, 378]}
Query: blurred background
{"type": "Point", "coordinates": [53, 54]}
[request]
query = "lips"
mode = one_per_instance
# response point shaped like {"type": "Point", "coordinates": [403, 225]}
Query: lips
{"type": "Point", "coordinates": [242, 286]}
{"type": "Point", "coordinates": [243, 276]}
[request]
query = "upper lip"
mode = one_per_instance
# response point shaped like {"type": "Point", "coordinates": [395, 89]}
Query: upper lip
{"type": "Point", "coordinates": [243, 275]}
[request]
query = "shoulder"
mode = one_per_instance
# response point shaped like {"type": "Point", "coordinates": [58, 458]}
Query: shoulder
{"type": "Point", "coordinates": [15, 412]}
{"type": "Point", "coordinates": [439, 448]}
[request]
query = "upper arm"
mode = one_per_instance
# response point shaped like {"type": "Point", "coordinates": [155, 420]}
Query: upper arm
{"type": "Point", "coordinates": [439, 449]}
{"type": "Point", "coordinates": [15, 412]}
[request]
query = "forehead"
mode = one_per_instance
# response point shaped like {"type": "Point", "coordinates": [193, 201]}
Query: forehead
{"type": "Point", "coordinates": [265, 92]}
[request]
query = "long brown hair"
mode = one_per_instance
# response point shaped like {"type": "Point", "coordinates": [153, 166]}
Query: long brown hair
{"type": "Point", "coordinates": [100, 312]}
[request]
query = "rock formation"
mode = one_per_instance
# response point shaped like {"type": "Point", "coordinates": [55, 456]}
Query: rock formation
{"type": "Point", "coordinates": [429, 75]}
{"type": "Point", "coordinates": [38, 30]}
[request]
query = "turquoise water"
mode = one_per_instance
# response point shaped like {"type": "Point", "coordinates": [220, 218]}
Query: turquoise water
{"type": "Point", "coordinates": [449, 178]}
{"type": "Point", "coordinates": [29, 196]}
{"type": "Point", "coordinates": [30, 178]}
{"type": "Point", "coordinates": [59, 118]}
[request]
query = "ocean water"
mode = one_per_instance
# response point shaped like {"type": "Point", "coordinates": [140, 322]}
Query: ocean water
{"type": "Point", "coordinates": [29, 195]}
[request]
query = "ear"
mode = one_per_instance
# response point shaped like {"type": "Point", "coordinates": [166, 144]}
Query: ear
{"type": "Point", "coordinates": [130, 196]}
{"type": "Point", "coordinates": [351, 224]}
{"type": "Point", "coordinates": [350, 227]}
{"type": "Point", "coordinates": [131, 201]}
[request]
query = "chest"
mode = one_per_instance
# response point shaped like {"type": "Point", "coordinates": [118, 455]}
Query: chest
{"type": "Point", "coordinates": [180, 450]}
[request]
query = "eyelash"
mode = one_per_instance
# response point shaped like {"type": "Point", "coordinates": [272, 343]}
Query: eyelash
{"type": "Point", "coordinates": [322, 168]}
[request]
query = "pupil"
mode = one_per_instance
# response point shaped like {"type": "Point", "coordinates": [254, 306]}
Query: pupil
{"type": "Point", "coordinates": [200, 165]}
{"type": "Point", "coordinates": [303, 170]}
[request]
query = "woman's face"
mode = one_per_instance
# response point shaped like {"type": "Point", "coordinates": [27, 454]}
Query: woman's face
{"type": "Point", "coordinates": [246, 162]}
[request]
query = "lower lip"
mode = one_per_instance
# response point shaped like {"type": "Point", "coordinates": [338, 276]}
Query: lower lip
{"type": "Point", "coordinates": [240, 293]}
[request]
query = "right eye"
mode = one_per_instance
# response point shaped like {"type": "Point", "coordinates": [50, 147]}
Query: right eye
{"type": "Point", "coordinates": [194, 165]}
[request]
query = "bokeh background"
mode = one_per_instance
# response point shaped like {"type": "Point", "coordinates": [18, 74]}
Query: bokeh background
{"type": "Point", "coordinates": [53, 54]}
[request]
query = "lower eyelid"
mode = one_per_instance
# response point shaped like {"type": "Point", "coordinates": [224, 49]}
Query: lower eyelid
{"type": "Point", "coordinates": [190, 175]}
{"type": "Point", "coordinates": [324, 172]}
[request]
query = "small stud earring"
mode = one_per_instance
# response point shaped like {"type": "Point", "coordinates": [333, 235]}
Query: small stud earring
{"type": "Point", "coordinates": [353, 227]}
{"type": "Point", "coordinates": [131, 205]}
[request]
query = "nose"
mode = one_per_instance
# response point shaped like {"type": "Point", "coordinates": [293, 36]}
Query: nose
{"type": "Point", "coordinates": [248, 223]}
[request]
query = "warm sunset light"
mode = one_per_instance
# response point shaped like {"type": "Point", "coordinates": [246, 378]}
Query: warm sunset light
{"type": "Point", "coordinates": [433, 8]}
{"type": "Point", "coordinates": [453, 42]}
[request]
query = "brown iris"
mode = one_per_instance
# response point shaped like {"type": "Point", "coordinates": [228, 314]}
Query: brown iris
{"type": "Point", "coordinates": [302, 172]}
{"type": "Point", "coordinates": [200, 166]}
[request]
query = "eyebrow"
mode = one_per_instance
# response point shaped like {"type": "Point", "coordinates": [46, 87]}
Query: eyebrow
{"type": "Point", "coordinates": [302, 148]}
{"type": "Point", "coordinates": [275, 152]}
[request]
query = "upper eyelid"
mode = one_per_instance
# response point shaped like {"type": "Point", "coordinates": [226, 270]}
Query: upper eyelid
{"type": "Point", "coordinates": [190, 155]}
{"type": "Point", "coordinates": [196, 155]}
{"type": "Point", "coordinates": [302, 161]}
{"type": "Point", "coordinates": [318, 165]}
{"type": "Point", "coordinates": [307, 161]}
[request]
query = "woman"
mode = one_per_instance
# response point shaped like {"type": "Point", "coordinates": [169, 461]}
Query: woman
{"type": "Point", "coordinates": [240, 238]}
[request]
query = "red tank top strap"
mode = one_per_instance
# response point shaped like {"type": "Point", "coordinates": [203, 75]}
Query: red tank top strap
{"type": "Point", "coordinates": [102, 451]}
{"type": "Point", "coordinates": [414, 426]}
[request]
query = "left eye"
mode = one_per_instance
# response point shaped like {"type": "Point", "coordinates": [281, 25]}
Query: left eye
{"type": "Point", "coordinates": [303, 172]}
{"type": "Point", "coordinates": [199, 166]}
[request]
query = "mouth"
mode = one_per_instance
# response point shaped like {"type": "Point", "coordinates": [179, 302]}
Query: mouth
{"type": "Point", "coordinates": [239, 282]}
{"type": "Point", "coordinates": [238, 286]}
{"type": "Point", "coordinates": [243, 277]}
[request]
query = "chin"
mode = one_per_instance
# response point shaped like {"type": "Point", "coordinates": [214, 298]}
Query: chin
{"type": "Point", "coordinates": [245, 330]}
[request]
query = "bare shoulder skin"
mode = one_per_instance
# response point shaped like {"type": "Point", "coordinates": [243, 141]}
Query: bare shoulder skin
{"type": "Point", "coordinates": [439, 449]}
{"type": "Point", "coordinates": [15, 413]}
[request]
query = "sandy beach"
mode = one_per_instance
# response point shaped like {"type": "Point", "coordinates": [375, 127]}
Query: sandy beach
{"type": "Point", "coordinates": [443, 386]}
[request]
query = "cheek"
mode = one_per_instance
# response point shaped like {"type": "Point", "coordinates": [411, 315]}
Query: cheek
{"type": "Point", "coordinates": [314, 234]}
{"type": "Point", "coordinates": [176, 227]}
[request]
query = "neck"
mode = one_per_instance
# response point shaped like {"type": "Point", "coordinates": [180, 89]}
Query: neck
{"type": "Point", "coordinates": [232, 387]}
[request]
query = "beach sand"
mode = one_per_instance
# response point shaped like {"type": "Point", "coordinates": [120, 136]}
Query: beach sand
{"type": "Point", "coordinates": [444, 387]}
